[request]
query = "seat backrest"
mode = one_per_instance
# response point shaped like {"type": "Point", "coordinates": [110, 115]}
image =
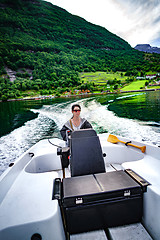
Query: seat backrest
{"type": "Point", "coordinates": [86, 153]}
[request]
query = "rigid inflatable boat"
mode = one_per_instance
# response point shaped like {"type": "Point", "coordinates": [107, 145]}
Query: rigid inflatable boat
{"type": "Point", "coordinates": [95, 187]}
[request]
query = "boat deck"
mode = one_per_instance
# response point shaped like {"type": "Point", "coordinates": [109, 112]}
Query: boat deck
{"type": "Point", "coordinates": [129, 232]}
{"type": "Point", "coordinates": [36, 209]}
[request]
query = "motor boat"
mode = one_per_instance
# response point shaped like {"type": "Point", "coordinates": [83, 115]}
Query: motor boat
{"type": "Point", "coordinates": [94, 187]}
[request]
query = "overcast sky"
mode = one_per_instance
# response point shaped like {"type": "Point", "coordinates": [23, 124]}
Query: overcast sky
{"type": "Point", "coordinates": [136, 21]}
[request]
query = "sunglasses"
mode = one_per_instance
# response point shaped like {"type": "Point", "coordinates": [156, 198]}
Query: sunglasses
{"type": "Point", "coordinates": [77, 110]}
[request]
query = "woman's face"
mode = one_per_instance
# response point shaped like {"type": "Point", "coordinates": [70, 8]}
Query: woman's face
{"type": "Point", "coordinates": [76, 111]}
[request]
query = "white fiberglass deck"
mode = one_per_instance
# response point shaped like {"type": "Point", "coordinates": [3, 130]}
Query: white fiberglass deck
{"type": "Point", "coordinates": [26, 204]}
{"type": "Point", "coordinates": [26, 201]}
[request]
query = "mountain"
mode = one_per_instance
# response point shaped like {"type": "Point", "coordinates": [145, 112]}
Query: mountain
{"type": "Point", "coordinates": [42, 46]}
{"type": "Point", "coordinates": [147, 48]}
{"type": "Point", "coordinates": [35, 34]}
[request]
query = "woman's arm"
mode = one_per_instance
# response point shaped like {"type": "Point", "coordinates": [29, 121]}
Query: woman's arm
{"type": "Point", "coordinates": [86, 125]}
{"type": "Point", "coordinates": [63, 132]}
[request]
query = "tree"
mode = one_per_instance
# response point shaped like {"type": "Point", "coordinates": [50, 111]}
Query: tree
{"type": "Point", "coordinates": [36, 87]}
{"type": "Point", "coordinates": [4, 97]}
{"type": "Point", "coordinates": [24, 87]}
{"type": "Point", "coordinates": [146, 83]}
{"type": "Point", "coordinates": [115, 87]}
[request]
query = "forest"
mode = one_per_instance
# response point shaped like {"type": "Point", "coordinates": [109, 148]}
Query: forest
{"type": "Point", "coordinates": [47, 48]}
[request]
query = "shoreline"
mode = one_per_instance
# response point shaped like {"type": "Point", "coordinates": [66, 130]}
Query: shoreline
{"type": "Point", "coordinates": [78, 95]}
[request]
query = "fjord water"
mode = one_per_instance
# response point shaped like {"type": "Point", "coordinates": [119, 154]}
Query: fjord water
{"type": "Point", "coordinates": [23, 123]}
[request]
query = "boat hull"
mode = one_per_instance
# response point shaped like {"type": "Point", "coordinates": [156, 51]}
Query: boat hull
{"type": "Point", "coordinates": [26, 203]}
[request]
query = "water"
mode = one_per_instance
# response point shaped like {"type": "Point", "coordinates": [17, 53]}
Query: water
{"type": "Point", "coordinates": [136, 116]}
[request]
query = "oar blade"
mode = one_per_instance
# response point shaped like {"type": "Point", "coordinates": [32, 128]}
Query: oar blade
{"type": "Point", "coordinates": [112, 138]}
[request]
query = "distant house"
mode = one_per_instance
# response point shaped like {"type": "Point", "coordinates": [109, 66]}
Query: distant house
{"type": "Point", "coordinates": [140, 78]}
{"type": "Point", "coordinates": [151, 76]}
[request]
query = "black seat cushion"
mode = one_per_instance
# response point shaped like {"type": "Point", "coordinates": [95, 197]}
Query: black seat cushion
{"type": "Point", "coordinates": [86, 153]}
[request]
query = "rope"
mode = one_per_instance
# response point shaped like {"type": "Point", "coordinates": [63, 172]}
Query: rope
{"type": "Point", "coordinates": [54, 144]}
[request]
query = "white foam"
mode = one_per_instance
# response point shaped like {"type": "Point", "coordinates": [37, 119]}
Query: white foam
{"type": "Point", "coordinates": [52, 117]}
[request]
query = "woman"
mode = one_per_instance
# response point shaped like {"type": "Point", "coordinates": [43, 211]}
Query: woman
{"type": "Point", "coordinates": [75, 123]}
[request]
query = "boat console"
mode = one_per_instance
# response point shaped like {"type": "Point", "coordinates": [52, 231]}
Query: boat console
{"type": "Point", "coordinates": [92, 198]}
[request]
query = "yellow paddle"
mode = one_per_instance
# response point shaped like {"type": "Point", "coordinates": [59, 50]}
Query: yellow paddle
{"type": "Point", "coordinates": [114, 139]}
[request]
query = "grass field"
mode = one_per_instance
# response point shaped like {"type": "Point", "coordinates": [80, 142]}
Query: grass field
{"type": "Point", "coordinates": [101, 78]}
{"type": "Point", "coordinates": [137, 85]}
{"type": "Point", "coordinates": [155, 87]}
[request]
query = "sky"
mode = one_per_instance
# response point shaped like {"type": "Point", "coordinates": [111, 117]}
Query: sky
{"type": "Point", "coordinates": [136, 21]}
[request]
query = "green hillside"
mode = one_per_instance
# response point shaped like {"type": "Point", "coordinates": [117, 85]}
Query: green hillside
{"type": "Point", "coordinates": [47, 48]}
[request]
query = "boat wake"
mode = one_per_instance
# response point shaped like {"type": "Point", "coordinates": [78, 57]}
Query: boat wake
{"type": "Point", "coordinates": [52, 117]}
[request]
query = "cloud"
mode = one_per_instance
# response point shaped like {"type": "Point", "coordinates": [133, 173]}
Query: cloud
{"type": "Point", "coordinates": [136, 21]}
{"type": "Point", "coordinates": [143, 20]}
{"type": "Point", "coordinates": [156, 41]}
